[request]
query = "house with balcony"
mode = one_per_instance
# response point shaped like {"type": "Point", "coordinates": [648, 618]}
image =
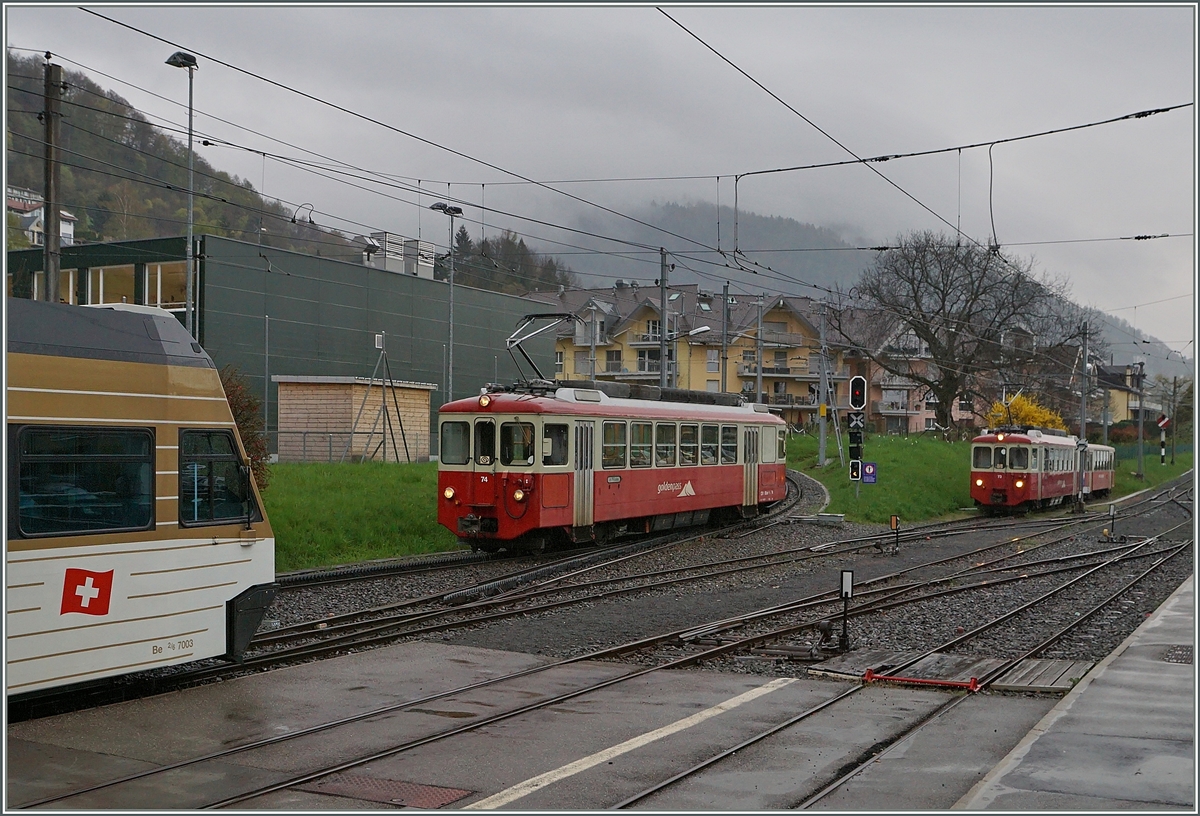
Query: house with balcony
{"type": "Point", "coordinates": [28, 208]}
{"type": "Point", "coordinates": [1123, 399]}
{"type": "Point", "coordinates": [900, 404]}
{"type": "Point", "coordinates": [627, 322]}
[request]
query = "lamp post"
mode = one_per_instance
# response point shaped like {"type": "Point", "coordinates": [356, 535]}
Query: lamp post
{"type": "Point", "coordinates": [451, 211]}
{"type": "Point", "coordinates": [182, 59]}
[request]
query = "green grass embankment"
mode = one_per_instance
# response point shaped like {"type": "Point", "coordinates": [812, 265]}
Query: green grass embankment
{"type": "Point", "coordinates": [918, 477]}
{"type": "Point", "coordinates": [922, 478]}
{"type": "Point", "coordinates": [340, 514]}
{"type": "Point", "coordinates": [325, 514]}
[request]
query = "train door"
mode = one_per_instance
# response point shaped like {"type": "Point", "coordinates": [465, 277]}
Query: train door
{"type": "Point", "coordinates": [750, 466]}
{"type": "Point", "coordinates": [585, 466]}
{"type": "Point", "coordinates": [483, 483]}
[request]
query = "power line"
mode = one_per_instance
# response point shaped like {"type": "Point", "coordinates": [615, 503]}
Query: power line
{"type": "Point", "coordinates": [395, 129]}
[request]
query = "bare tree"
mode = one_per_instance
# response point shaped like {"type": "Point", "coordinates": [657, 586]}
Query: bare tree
{"type": "Point", "coordinates": [960, 320]}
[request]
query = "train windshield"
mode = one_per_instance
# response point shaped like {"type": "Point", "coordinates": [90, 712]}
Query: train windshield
{"type": "Point", "coordinates": [1000, 458]}
{"type": "Point", "coordinates": [1018, 458]}
{"type": "Point", "coordinates": [982, 457]}
{"type": "Point", "coordinates": [456, 443]}
{"type": "Point", "coordinates": [516, 443]}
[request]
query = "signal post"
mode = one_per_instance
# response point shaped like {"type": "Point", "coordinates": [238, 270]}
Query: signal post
{"type": "Point", "coordinates": [857, 420]}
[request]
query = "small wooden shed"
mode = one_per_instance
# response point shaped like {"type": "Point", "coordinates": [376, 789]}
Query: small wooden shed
{"type": "Point", "coordinates": [333, 419]}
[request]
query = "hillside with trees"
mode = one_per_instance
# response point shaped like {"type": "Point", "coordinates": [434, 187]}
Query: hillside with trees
{"type": "Point", "coordinates": [126, 179]}
{"type": "Point", "coordinates": [504, 263]}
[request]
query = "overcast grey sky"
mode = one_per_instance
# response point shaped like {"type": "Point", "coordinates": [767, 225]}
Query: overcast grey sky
{"type": "Point", "coordinates": [619, 92]}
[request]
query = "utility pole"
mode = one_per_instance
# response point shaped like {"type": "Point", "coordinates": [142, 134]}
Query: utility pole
{"type": "Point", "coordinates": [1104, 420]}
{"type": "Point", "coordinates": [1081, 451]}
{"type": "Point", "coordinates": [759, 367]}
{"type": "Point", "coordinates": [1141, 376]}
{"type": "Point", "coordinates": [724, 334]}
{"type": "Point", "coordinates": [51, 225]}
{"type": "Point", "coordinates": [662, 329]}
{"type": "Point", "coordinates": [592, 358]}
{"type": "Point", "coordinates": [1174, 411]}
{"type": "Point", "coordinates": [822, 394]}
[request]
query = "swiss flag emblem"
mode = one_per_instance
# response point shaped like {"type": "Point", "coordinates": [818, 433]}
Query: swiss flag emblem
{"type": "Point", "coordinates": [86, 591]}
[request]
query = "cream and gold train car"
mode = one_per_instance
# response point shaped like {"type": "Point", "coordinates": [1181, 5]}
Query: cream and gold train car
{"type": "Point", "coordinates": [136, 535]}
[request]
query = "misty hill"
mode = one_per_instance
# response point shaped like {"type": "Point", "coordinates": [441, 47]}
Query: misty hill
{"type": "Point", "coordinates": [800, 253]}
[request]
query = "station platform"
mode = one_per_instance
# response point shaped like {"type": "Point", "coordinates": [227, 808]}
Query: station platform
{"type": "Point", "coordinates": [1122, 739]}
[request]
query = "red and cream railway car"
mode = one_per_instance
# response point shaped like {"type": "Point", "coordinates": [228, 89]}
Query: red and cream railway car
{"type": "Point", "coordinates": [517, 470]}
{"type": "Point", "coordinates": [1029, 467]}
{"type": "Point", "coordinates": [135, 533]}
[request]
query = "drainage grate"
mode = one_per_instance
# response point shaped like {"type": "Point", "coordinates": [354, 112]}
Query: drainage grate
{"type": "Point", "coordinates": [1178, 654]}
{"type": "Point", "coordinates": [387, 791]}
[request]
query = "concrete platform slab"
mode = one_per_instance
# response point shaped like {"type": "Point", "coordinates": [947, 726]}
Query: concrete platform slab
{"type": "Point", "coordinates": [934, 767]}
{"type": "Point", "coordinates": [1124, 736]}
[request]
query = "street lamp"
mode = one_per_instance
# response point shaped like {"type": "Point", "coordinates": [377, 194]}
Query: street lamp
{"type": "Point", "coordinates": [451, 211]}
{"type": "Point", "coordinates": [181, 59]}
{"type": "Point", "coordinates": [672, 339]}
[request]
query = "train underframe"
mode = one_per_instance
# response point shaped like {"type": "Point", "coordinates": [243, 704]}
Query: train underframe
{"type": "Point", "coordinates": [603, 532]}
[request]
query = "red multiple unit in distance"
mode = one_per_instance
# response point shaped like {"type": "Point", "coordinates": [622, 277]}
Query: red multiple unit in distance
{"type": "Point", "coordinates": [520, 470]}
{"type": "Point", "coordinates": [1030, 467]}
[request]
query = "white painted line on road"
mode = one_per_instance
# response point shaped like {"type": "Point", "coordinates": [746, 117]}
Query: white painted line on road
{"type": "Point", "coordinates": [538, 782]}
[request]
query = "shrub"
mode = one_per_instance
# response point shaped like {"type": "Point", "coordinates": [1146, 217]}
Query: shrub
{"type": "Point", "coordinates": [247, 413]}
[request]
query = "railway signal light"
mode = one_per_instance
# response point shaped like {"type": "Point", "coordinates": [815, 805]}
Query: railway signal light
{"type": "Point", "coordinates": [856, 470]}
{"type": "Point", "coordinates": [858, 393]}
{"type": "Point", "coordinates": [855, 451]}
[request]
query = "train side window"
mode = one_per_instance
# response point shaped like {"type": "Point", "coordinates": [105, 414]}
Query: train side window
{"type": "Point", "coordinates": [485, 441]}
{"type": "Point", "coordinates": [729, 437]}
{"type": "Point", "coordinates": [83, 480]}
{"type": "Point", "coordinates": [664, 445]}
{"type": "Point", "coordinates": [214, 487]}
{"type": "Point", "coordinates": [981, 457]}
{"type": "Point", "coordinates": [612, 448]}
{"type": "Point", "coordinates": [766, 445]}
{"type": "Point", "coordinates": [1018, 458]}
{"type": "Point", "coordinates": [455, 448]}
{"type": "Point", "coordinates": [1000, 458]}
{"type": "Point", "coordinates": [1033, 459]}
{"type": "Point", "coordinates": [516, 443]}
{"type": "Point", "coordinates": [641, 444]}
{"type": "Point", "coordinates": [710, 444]}
{"type": "Point", "coordinates": [782, 446]}
{"type": "Point", "coordinates": [689, 444]}
{"type": "Point", "coordinates": [554, 444]}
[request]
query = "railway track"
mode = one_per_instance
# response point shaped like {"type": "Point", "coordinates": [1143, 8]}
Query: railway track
{"type": "Point", "coordinates": [134, 686]}
{"type": "Point", "coordinates": [502, 597]}
{"type": "Point", "coordinates": [690, 647]}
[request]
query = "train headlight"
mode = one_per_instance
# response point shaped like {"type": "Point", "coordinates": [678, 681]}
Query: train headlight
{"type": "Point", "coordinates": [519, 495]}
{"type": "Point", "coordinates": [448, 492]}
{"type": "Point", "coordinates": [1020, 483]}
{"type": "Point", "coordinates": [1000, 437]}
{"type": "Point", "coordinates": [485, 401]}
{"type": "Point", "coordinates": [978, 483]}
